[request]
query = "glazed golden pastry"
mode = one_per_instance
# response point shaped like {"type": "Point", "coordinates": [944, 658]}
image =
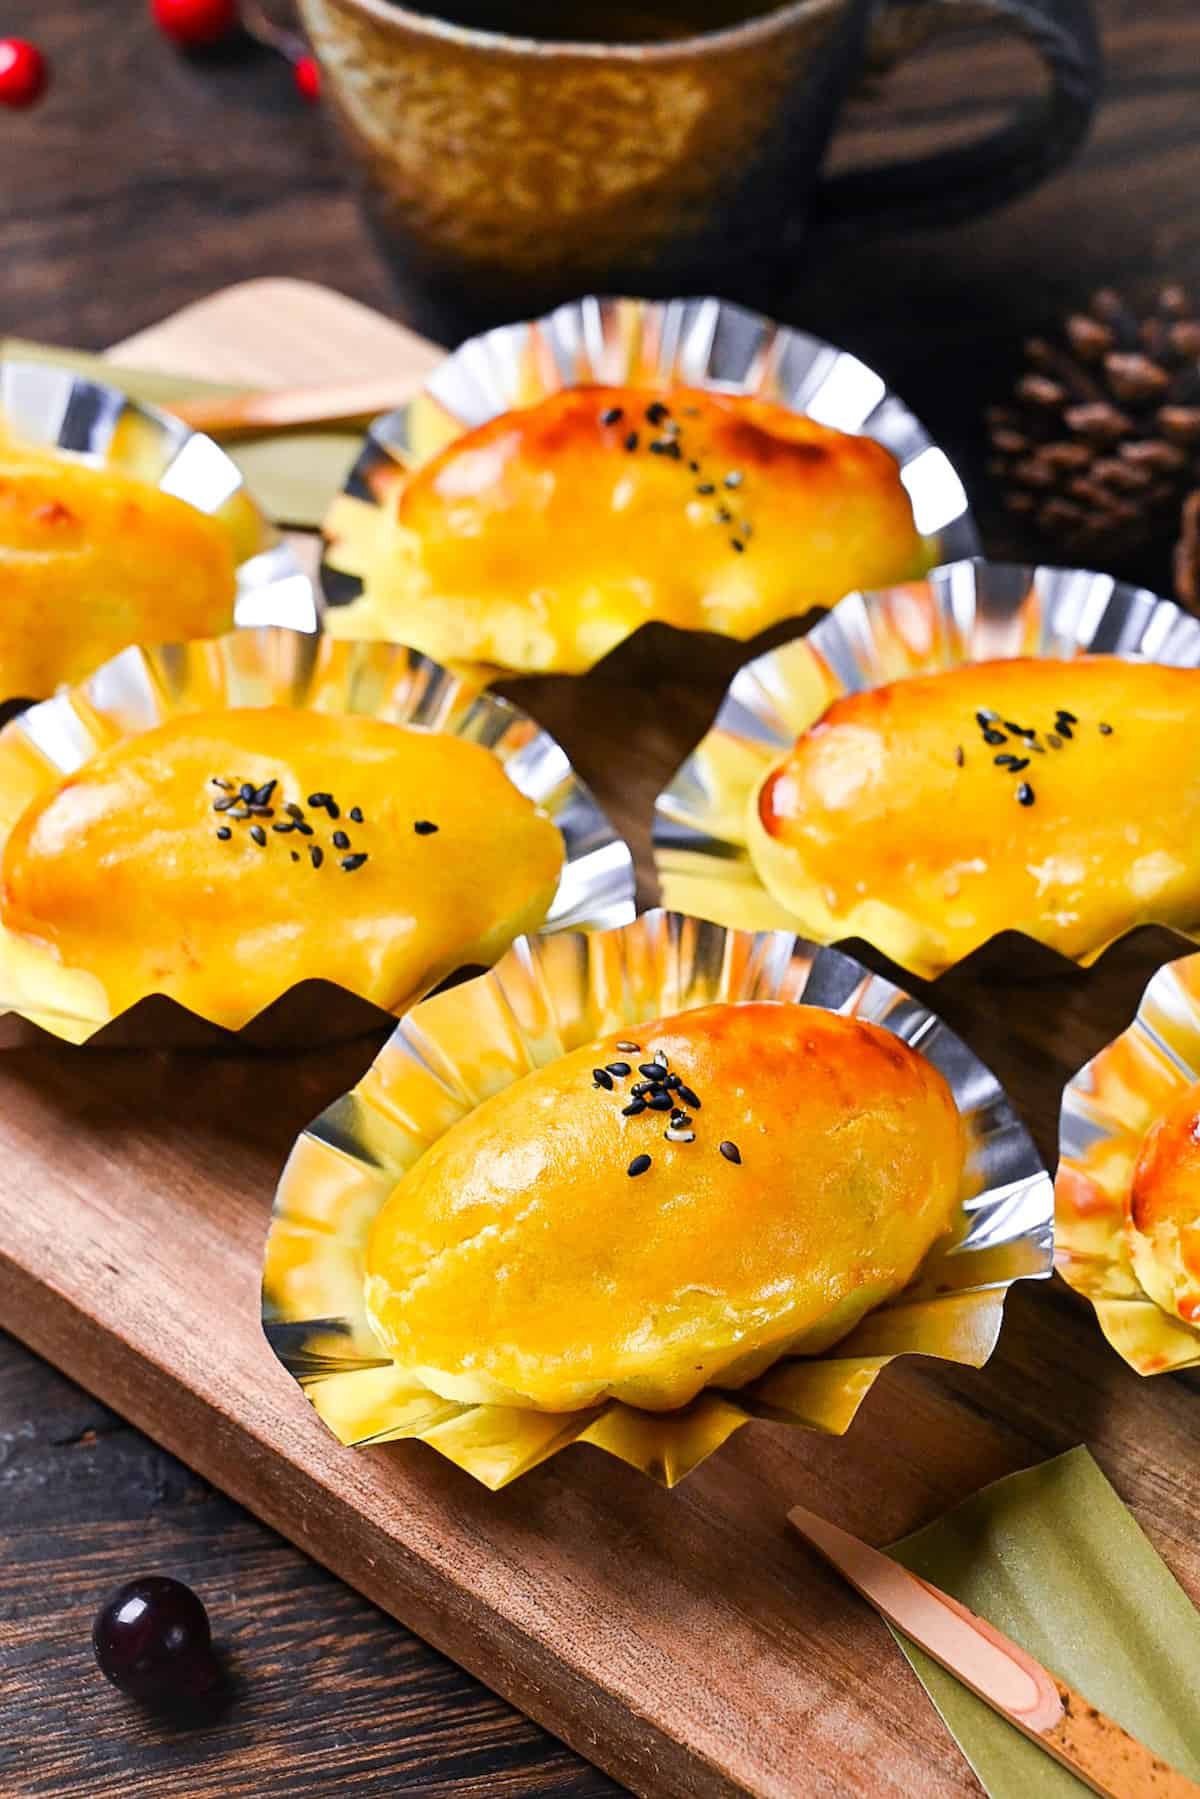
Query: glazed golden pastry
{"type": "Point", "coordinates": [919, 816]}
{"type": "Point", "coordinates": [146, 869]}
{"type": "Point", "coordinates": [542, 539]}
{"type": "Point", "coordinates": [1163, 1210]}
{"type": "Point", "coordinates": [551, 1251]}
{"type": "Point", "coordinates": [92, 561]}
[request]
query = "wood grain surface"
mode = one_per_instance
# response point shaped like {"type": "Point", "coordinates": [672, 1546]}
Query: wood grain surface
{"type": "Point", "coordinates": [143, 183]}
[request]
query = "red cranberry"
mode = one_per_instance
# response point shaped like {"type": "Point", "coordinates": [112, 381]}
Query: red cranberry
{"type": "Point", "coordinates": [195, 23]}
{"type": "Point", "coordinates": [306, 74]}
{"type": "Point", "coordinates": [23, 72]}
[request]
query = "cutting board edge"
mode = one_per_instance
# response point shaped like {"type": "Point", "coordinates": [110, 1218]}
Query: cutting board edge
{"type": "Point", "coordinates": [154, 1400]}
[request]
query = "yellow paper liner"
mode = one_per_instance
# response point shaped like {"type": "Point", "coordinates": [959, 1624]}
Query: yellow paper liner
{"type": "Point", "coordinates": [964, 612]}
{"type": "Point", "coordinates": [273, 666]}
{"type": "Point", "coordinates": [550, 995]}
{"type": "Point", "coordinates": [623, 342]}
{"type": "Point", "coordinates": [1107, 1109]}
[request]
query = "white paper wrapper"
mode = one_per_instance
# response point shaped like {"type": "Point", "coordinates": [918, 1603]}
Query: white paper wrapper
{"type": "Point", "coordinates": [550, 995]}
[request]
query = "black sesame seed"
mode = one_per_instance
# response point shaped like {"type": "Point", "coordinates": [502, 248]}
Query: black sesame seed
{"type": "Point", "coordinates": [350, 863]}
{"type": "Point", "coordinates": [672, 1080]}
{"type": "Point", "coordinates": [959, 756]}
{"type": "Point", "coordinates": [1064, 730]}
{"type": "Point", "coordinates": [257, 811]}
{"type": "Point", "coordinates": [735, 543]}
{"type": "Point", "coordinates": [612, 415]}
{"type": "Point", "coordinates": [295, 855]}
{"type": "Point", "coordinates": [620, 1069]}
{"type": "Point", "coordinates": [993, 737]}
{"type": "Point", "coordinates": [224, 833]}
{"type": "Point", "coordinates": [661, 1102]}
{"type": "Point", "coordinates": [602, 1078]}
{"type": "Point", "coordinates": [705, 487]}
{"type": "Point", "coordinates": [689, 1098]}
{"type": "Point", "coordinates": [639, 1165]}
{"type": "Point", "coordinates": [656, 412]}
{"type": "Point", "coordinates": [730, 1151]}
{"type": "Point", "coordinates": [651, 1070]}
{"type": "Point", "coordinates": [631, 442]}
{"type": "Point", "coordinates": [734, 478]}
{"type": "Point", "coordinates": [305, 830]}
{"type": "Point", "coordinates": [1069, 716]}
{"type": "Point", "coordinates": [723, 515]}
{"type": "Point", "coordinates": [665, 446]}
{"type": "Point", "coordinates": [1025, 794]}
{"type": "Point", "coordinates": [1054, 742]}
{"type": "Point", "coordinates": [356, 814]}
{"type": "Point", "coordinates": [1018, 763]}
{"type": "Point", "coordinates": [694, 467]}
{"type": "Point", "coordinates": [289, 826]}
{"type": "Point", "coordinates": [246, 790]}
{"type": "Point", "coordinates": [1106, 730]}
{"type": "Point", "coordinates": [984, 719]}
{"type": "Point", "coordinates": [1005, 761]}
{"type": "Point", "coordinates": [680, 1118]}
{"type": "Point", "coordinates": [319, 799]}
{"type": "Point", "coordinates": [1016, 730]}
{"type": "Point", "coordinates": [263, 796]}
{"type": "Point", "coordinates": [633, 1108]}
{"type": "Point", "coordinates": [293, 810]}
{"type": "Point", "coordinates": [316, 854]}
{"type": "Point", "coordinates": [631, 1049]}
{"type": "Point", "coordinates": [223, 805]}
{"type": "Point", "coordinates": [259, 836]}
{"type": "Point", "coordinates": [340, 840]}
{"type": "Point", "coordinates": [424, 827]}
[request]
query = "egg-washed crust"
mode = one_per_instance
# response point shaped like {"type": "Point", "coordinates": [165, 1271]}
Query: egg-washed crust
{"type": "Point", "coordinates": [1163, 1209]}
{"type": "Point", "coordinates": [377, 856]}
{"type": "Point", "coordinates": [91, 561]}
{"type": "Point", "coordinates": [542, 539]}
{"type": "Point", "coordinates": [552, 1251]}
{"type": "Point", "coordinates": [932, 813]}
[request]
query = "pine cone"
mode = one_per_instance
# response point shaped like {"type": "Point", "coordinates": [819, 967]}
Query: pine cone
{"type": "Point", "coordinates": [1102, 447]}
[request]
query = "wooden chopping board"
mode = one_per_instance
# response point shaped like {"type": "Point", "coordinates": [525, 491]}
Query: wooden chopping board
{"type": "Point", "coordinates": [682, 1641]}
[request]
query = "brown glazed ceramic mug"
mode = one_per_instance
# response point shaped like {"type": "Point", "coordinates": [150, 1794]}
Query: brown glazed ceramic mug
{"type": "Point", "coordinates": [506, 173]}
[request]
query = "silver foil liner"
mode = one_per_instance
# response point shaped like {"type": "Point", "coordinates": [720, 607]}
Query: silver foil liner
{"type": "Point", "coordinates": [1107, 1108]}
{"type": "Point", "coordinates": [970, 611]}
{"type": "Point", "coordinates": [550, 995]}
{"type": "Point", "coordinates": [698, 343]}
{"type": "Point", "coordinates": [265, 666]}
{"type": "Point", "coordinates": [54, 409]}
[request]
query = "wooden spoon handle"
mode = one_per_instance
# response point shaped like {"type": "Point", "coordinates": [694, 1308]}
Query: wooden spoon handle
{"type": "Point", "coordinates": [1043, 1707]}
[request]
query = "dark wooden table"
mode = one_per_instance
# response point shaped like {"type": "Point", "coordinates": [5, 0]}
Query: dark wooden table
{"type": "Point", "coordinates": [146, 181]}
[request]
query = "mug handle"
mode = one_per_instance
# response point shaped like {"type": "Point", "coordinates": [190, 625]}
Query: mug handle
{"type": "Point", "coordinates": [957, 184]}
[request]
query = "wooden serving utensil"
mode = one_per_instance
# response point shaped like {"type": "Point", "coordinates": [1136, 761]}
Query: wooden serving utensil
{"type": "Point", "coordinates": [1044, 1708]}
{"type": "Point", "coordinates": [290, 408]}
